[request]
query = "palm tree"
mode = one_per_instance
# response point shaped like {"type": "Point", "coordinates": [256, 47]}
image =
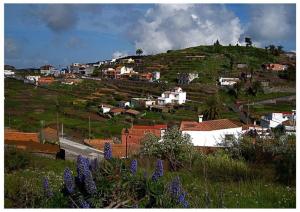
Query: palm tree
{"type": "Point", "coordinates": [139, 52]}
{"type": "Point", "coordinates": [212, 108]}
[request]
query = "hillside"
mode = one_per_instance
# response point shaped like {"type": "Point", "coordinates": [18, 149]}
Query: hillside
{"type": "Point", "coordinates": [209, 61]}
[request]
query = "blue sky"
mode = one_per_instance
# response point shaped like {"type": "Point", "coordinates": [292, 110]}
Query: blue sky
{"type": "Point", "coordinates": [60, 34]}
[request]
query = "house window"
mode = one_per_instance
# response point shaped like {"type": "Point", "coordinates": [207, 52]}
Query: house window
{"type": "Point", "coordinates": [229, 137]}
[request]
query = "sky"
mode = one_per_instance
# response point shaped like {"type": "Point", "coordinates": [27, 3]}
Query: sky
{"type": "Point", "coordinates": [61, 34]}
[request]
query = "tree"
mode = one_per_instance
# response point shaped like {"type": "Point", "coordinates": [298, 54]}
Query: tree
{"type": "Point", "coordinates": [212, 108]}
{"type": "Point", "coordinates": [237, 87]}
{"type": "Point", "coordinates": [175, 147]}
{"type": "Point", "coordinates": [272, 48]}
{"type": "Point", "coordinates": [248, 41]}
{"type": "Point", "coordinates": [139, 52]}
{"type": "Point", "coordinates": [280, 49]}
{"type": "Point", "coordinates": [255, 88]}
{"type": "Point", "coordinates": [217, 43]}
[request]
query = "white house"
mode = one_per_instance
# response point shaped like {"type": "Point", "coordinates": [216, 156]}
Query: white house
{"type": "Point", "coordinates": [175, 96]}
{"type": "Point", "coordinates": [125, 70]}
{"type": "Point", "coordinates": [228, 81]}
{"type": "Point", "coordinates": [48, 69]}
{"type": "Point", "coordinates": [124, 104]}
{"type": "Point", "coordinates": [155, 75]}
{"type": "Point", "coordinates": [31, 79]}
{"type": "Point", "coordinates": [273, 120]}
{"type": "Point", "coordinates": [8, 73]}
{"type": "Point", "coordinates": [211, 133]}
{"type": "Point", "coordinates": [105, 108]}
{"type": "Point", "coordinates": [142, 102]}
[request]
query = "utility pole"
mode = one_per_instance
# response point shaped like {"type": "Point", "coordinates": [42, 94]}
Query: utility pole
{"type": "Point", "coordinates": [57, 125]}
{"type": "Point", "coordinates": [9, 119]}
{"type": "Point", "coordinates": [248, 113]}
{"type": "Point", "coordinates": [89, 128]}
{"type": "Point", "coordinates": [62, 130]}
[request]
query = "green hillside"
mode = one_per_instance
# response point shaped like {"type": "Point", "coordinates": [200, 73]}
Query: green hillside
{"type": "Point", "coordinates": [216, 62]}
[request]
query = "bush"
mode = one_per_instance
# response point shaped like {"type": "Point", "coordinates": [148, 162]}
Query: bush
{"type": "Point", "coordinates": [175, 147]}
{"type": "Point", "coordinates": [15, 159]}
{"type": "Point", "coordinates": [279, 152]}
{"type": "Point", "coordinates": [219, 166]}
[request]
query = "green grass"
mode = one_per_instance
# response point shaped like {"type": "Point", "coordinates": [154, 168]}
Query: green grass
{"type": "Point", "coordinates": [23, 187]}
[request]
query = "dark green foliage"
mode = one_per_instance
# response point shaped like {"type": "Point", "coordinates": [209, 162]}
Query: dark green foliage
{"type": "Point", "coordinates": [212, 108]}
{"type": "Point", "coordinates": [248, 41]}
{"type": "Point", "coordinates": [15, 160]}
{"type": "Point", "coordinates": [279, 152]}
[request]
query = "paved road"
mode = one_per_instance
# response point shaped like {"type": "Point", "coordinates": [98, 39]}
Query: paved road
{"type": "Point", "coordinates": [73, 149]}
{"type": "Point", "coordinates": [274, 100]}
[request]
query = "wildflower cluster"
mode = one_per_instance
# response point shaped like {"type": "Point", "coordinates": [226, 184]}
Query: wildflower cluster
{"type": "Point", "coordinates": [47, 190]}
{"type": "Point", "coordinates": [177, 192]}
{"type": "Point", "coordinates": [133, 167]}
{"type": "Point", "coordinates": [159, 170]}
{"type": "Point", "coordinates": [69, 181]}
{"type": "Point", "coordinates": [83, 203]}
{"type": "Point", "coordinates": [107, 151]}
{"type": "Point", "coordinates": [85, 175]}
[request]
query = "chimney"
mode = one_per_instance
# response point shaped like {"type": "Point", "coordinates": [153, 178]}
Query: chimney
{"type": "Point", "coordinates": [200, 118]}
{"type": "Point", "coordinates": [254, 122]}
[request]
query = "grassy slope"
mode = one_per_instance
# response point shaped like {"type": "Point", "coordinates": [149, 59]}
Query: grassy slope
{"type": "Point", "coordinates": [215, 63]}
{"type": "Point", "coordinates": [23, 188]}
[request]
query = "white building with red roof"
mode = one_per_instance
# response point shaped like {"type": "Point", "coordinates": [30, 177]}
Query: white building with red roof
{"type": "Point", "coordinates": [211, 133]}
{"type": "Point", "coordinates": [273, 120]}
{"type": "Point", "coordinates": [174, 96]}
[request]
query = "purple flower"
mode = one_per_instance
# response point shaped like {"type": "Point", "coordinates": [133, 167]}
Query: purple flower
{"type": "Point", "coordinates": [181, 198]}
{"type": "Point", "coordinates": [175, 187]}
{"type": "Point", "coordinates": [47, 190]}
{"type": "Point", "coordinates": [133, 166]}
{"type": "Point", "coordinates": [107, 151]}
{"type": "Point", "coordinates": [82, 167]}
{"type": "Point", "coordinates": [177, 193]}
{"type": "Point", "coordinates": [83, 203]}
{"type": "Point", "coordinates": [69, 181]}
{"type": "Point", "coordinates": [159, 170]}
{"type": "Point", "coordinates": [89, 183]}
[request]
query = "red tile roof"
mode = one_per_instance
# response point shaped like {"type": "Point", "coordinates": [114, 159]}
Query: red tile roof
{"type": "Point", "coordinates": [117, 110]}
{"type": "Point", "coordinates": [28, 141]}
{"type": "Point", "coordinates": [133, 112]}
{"type": "Point", "coordinates": [289, 123]}
{"type": "Point", "coordinates": [157, 126]}
{"type": "Point", "coordinates": [34, 147]}
{"type": "Point", "coordinates": [138, 132]}
{"type": "Point", "coordinates": [20, 136]}
{"type": "Point", "coordinates": [209, 125]}
{"type": "Point", "coordinates": [118, 150]}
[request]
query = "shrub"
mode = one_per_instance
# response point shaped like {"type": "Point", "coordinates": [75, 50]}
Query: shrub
{"type": "Point", "coordinates": [15, 159]}
{"type": "Point", "coordinates": [219, 166]}
{"type": "Point", "coordinates": [176, 147]}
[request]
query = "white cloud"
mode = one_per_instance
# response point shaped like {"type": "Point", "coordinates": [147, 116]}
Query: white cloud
{"type": "Point", "coordinates": [168, 26]}
{"type": "Point", "coordinates": [272, 23]}
{"type": "Point", "coordinates": [119, 54]}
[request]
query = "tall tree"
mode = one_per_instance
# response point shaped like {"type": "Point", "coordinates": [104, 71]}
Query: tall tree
{"type": "Point", "coordinates": [212, 108]}
{"type": "Point", "coordinates": [139, 52]}
{"type": "Point", "coordinates": [248, 41]}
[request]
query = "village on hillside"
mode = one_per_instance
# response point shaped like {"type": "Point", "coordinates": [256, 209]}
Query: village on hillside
{"type": "Point", "coordinates": [207, 131]}
{"type": "Point", "coordinates": [149, 105]}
